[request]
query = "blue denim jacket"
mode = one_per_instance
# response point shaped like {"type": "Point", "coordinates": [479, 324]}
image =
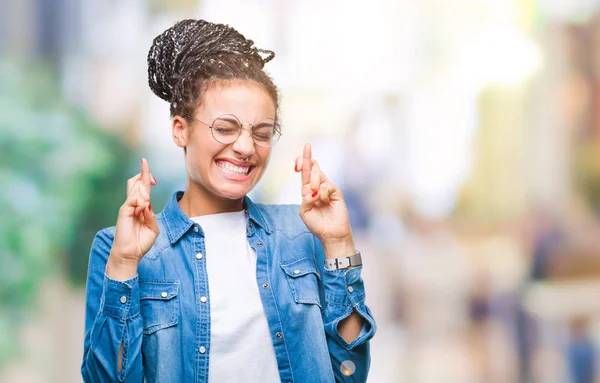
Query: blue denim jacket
{"type": "Point", "coordinates": [165, 327]}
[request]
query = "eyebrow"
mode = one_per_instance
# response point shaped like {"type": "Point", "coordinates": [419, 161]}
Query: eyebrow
{"type": "Point", "coordinates": [265, 123]}
{"type": "Point", "coordinates": [228, 117]}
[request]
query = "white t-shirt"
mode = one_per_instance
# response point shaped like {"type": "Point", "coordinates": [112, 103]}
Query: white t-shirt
{"type": "Point", "coordinates": [240, 343]}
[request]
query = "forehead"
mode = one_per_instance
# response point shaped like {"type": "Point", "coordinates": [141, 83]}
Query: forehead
{"type": "Point", "coordinates": [246, 100]}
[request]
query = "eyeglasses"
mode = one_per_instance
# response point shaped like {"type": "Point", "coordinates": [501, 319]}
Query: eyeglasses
{"type": "Point", "coordinates": [227, 128]}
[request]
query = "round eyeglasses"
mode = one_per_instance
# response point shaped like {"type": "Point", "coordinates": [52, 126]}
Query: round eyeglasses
{"type": "Point", "coordinates": [226, 129]}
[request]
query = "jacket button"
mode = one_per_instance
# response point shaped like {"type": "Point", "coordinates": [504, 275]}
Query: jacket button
{"type": "Point", "coordinates": [348, 367]}
{"type": "Point", "coordinates": [123, 299]}
{"type": "Point", "coordinates": [199, 256]}
{"type": "Point", "coordinates": [202, 349]}
{"type": "Point", "coordinates": [350, 289]}
{"type": "Point", "coordinates": [259, 243]}
{"type": "Point", "coordinates": [196, 229]}
{"type": "Point", "coordinates": [278, 335]}
{"type": "Point", "coordinates": [203, 299]}
{"type": "Point", "coordinates": [265, 285]}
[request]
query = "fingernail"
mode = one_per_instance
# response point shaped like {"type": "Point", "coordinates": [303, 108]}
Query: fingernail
{"type": "Point", "coordinates": [155, 181]}
{"type": "Point", "coordinates": [149, 207]}
{"type": "Point", "coordinates": [296, 168]}
{"type": "Point", "coordinates": [314, 194]}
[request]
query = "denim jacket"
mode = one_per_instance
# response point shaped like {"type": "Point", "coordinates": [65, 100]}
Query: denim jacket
{"type": "Point", "coordinates": [164, 326]}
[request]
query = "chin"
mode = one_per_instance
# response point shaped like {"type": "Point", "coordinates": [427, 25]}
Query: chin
{"type": "Point", "coordinates": [233, 193]}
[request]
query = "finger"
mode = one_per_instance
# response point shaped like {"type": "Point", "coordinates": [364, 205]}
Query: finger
{"type": "Point", "coordinates": [143, 199]}
{"type": "Point", "coordinates": [306, 164]}
{"type": "Point", "coordinates": [140, 209]}
{"type": "Point", "coordinates": [132, 181]}
{"type": "Point", "coordinates": [138, 188]}
{"type": "Point", "coordinates": [315, 176]}
{"type": "Point", "coordinates": [139, 197]}
{"type": "Point", "coordinates": [141, 204]}
{"type": "Point", "coordinates": [146, 178]}
{"type": "Point", "coordinates": [326, 191]}
{"type": "Point", "coordinates": [144, 193]}
{"type": "Point", "coordinates": [133, 205]}
{"type": "Point", "coordinates": [138, 177]}
{"type": "Point", "coordinates": [298, 164]}
{"type": "Point", "coordinates": [309, 196]}
{"type": "Point", "coordinates": [150, 219]}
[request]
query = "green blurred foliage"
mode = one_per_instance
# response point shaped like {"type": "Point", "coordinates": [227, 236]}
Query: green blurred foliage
{"type": "Point", "coordinates": [58, 185]}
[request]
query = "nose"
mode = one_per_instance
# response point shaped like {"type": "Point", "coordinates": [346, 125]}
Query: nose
{"type": "Point", "coordinates": [244, 145]}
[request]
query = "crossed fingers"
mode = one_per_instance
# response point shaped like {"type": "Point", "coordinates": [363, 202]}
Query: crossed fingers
{"type": "Point", "coordinates": [138, 189]}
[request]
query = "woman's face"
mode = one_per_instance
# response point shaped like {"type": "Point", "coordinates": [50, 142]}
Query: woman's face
{"type": "Point", "coordinates": [214, 168]}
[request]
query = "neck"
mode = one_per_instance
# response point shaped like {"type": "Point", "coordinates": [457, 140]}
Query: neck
{"type": "Point", "coordinates": [197, 202]}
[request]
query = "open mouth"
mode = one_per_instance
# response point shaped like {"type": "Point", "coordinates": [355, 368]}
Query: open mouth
{"type": "Point", "coordinates": [228, 167]}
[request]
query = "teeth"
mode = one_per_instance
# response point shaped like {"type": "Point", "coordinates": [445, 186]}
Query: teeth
{"type": "Point", "coordinates": [230, 168]}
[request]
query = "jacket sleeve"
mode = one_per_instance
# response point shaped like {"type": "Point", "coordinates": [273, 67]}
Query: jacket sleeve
{"type": "Point", "coordinates": [342, 293]}
{"type": "Point", "coordinates": [112, 318]}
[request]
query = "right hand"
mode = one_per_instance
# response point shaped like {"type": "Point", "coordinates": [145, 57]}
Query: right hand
{"type": "Point", "coordinates": [137, 228]}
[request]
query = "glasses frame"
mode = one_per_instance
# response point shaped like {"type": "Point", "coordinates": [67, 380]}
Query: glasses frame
{"type": "Point", "coordinates": [276, 128]}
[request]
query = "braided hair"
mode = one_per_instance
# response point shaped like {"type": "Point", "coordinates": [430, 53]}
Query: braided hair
{"type": "Point", "coordinates": [188, 58]}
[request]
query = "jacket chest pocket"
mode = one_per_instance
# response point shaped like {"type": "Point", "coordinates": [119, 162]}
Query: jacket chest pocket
{"type": "Point", "coordinates": [159, 305]}
{"type": "Point", "coordinates": [303, 279]}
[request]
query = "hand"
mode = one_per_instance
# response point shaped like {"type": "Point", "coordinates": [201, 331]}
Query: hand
{"type": "Point", "coordinates": [323, 209]}
{"type": "Point", "coordinates": [137, 228]}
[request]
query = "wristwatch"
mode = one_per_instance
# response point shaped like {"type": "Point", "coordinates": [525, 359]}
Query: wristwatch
{"type": "Point", "coordinates": [344, 262]}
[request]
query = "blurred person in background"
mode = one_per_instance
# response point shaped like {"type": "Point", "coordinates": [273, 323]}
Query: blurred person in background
{"type": "Point", "coordinates": [216, 287]}
{"type": "Point", "coordinates": [581, 352]}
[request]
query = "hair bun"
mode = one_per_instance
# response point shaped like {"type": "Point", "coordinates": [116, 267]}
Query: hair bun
{"type": "Point", "coordinates": [187, 46]}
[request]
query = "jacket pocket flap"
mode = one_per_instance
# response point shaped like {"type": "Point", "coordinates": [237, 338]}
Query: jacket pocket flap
{"type": "Point", "coordinates": [158, 290]}
{"type": "Point", "coordinates": [301, 267]}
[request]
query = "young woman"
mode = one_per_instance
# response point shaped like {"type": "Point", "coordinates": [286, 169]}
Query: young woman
{"type": "Point", "coordinates": [216, 288]}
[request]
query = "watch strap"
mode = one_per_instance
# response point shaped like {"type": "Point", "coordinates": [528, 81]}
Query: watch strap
{"type": "Point", "coordinates": [344, 262]}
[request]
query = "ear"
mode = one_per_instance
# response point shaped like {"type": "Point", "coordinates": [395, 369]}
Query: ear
{"type": "Point", "coordinates": [179, 128]}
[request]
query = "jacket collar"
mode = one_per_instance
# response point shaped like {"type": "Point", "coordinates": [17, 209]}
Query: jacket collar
{"type": "Point", "coordinates": [255, 215]}
{"type": "Point", "coordinates": [177, 223]}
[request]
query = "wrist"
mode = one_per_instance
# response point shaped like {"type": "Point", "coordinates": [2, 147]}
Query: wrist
{"type": "Point", "coordinates": [121, 269]}
{"type": "Point", "coordinates": [339, 248]}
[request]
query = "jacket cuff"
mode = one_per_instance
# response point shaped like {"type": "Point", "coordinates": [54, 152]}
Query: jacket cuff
{"type": "Point", "coordinates": [120, 299]}
{"type": "Point", "coordinates": [345, 293]}
{"type": "Point", "coordinates": [344, 287]}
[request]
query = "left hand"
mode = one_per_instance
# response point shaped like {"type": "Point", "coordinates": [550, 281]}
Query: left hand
{"type": "Point", "coordinates": [323, 209]}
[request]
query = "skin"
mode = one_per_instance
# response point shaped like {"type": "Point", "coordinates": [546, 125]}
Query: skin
{"type": "Point", "coordinates": [211, 190]}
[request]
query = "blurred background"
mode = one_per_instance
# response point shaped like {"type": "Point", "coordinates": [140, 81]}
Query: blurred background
{"type": "Point", "coordinates": [465, 135]}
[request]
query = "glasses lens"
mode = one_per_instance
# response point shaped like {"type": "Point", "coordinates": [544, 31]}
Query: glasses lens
{"type": "Point", "coordinates": [266, 133]}
{"type": "Point", "coordinates": [226, 129]}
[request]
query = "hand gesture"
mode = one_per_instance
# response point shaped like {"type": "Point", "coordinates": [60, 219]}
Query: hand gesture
{"type": "Point", "coordinates": [323, 209]}
{"type": "Point", "coordinates": [137, 228]}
